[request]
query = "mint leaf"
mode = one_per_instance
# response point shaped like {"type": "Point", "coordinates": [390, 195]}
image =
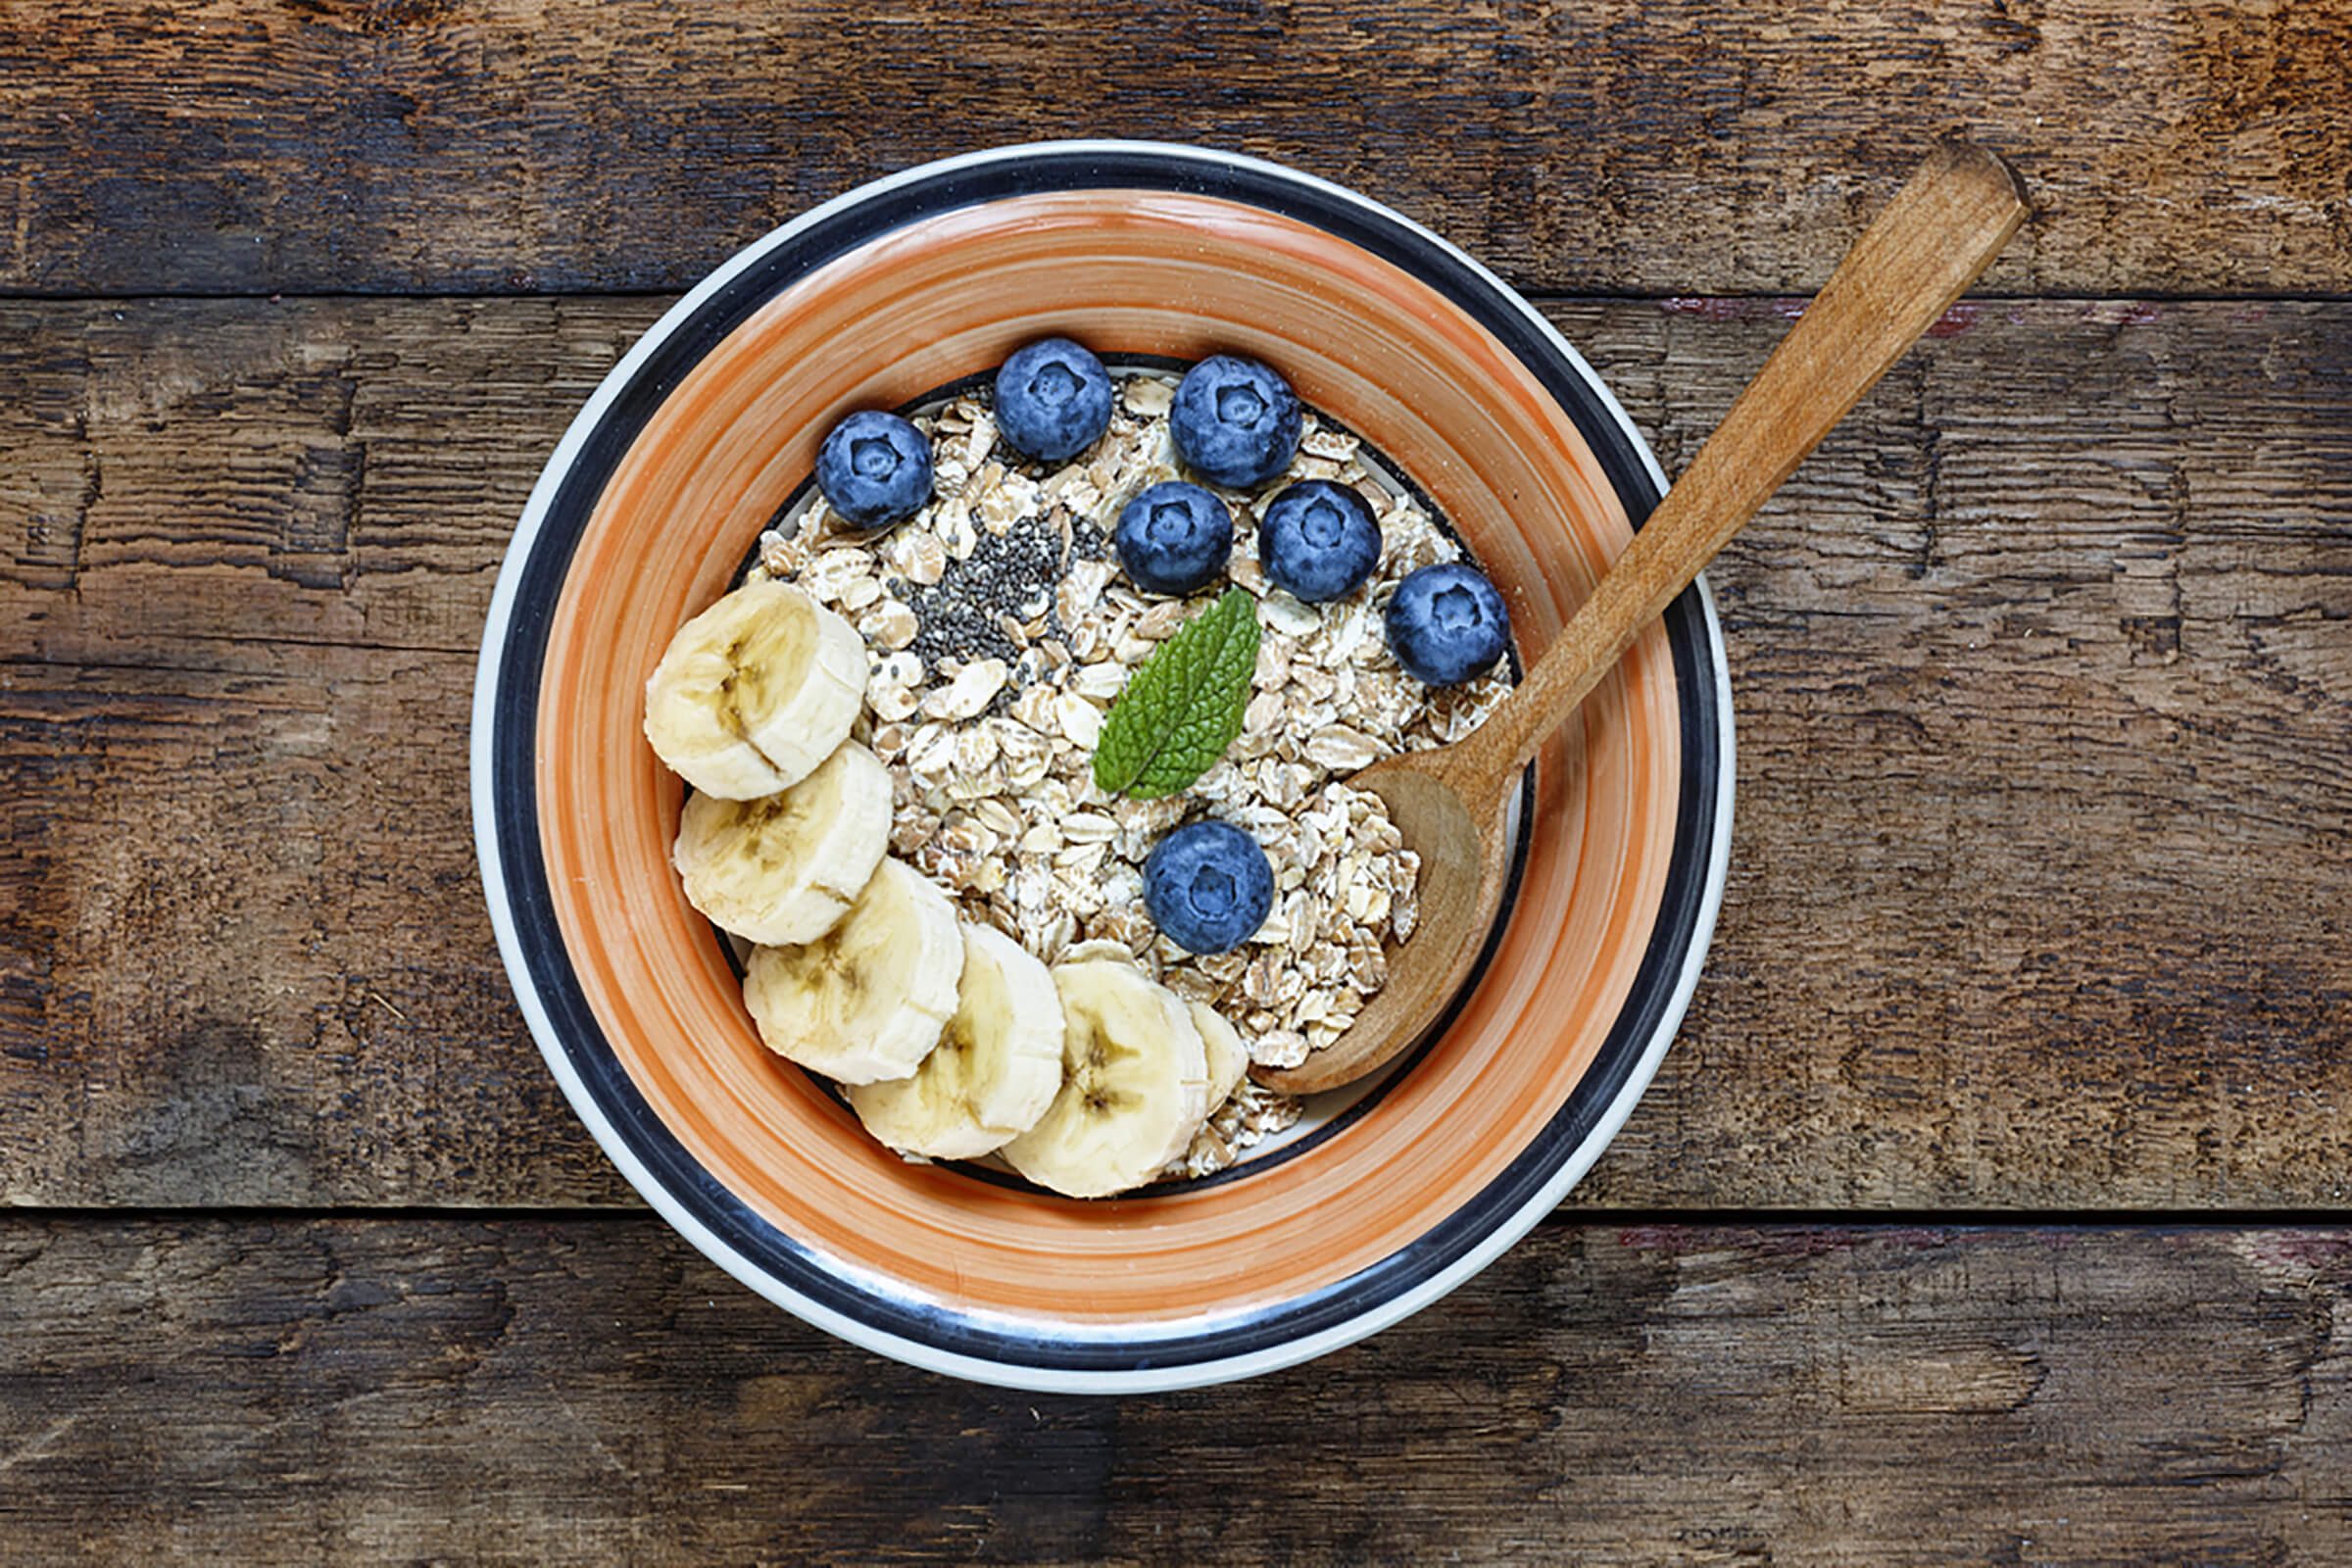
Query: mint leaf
{"type": "Point", "coordinates": [1183, 706]}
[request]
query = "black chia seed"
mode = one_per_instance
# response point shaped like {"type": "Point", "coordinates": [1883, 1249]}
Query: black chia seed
{"type": "Point", "coordinates": [1013, 574]}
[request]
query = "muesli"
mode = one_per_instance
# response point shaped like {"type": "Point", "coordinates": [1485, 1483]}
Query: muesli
{"type": "Point", "coordinates": [924, 672]}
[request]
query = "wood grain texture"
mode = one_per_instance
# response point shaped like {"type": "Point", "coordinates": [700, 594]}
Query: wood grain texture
{"type": "Point", "coordinates": [2040, 666]}
{"type": "Point", "coordinates": [2043, 829]}
{"type": "Point", "coordinates": [591, 1391]}
{"type": "Point", "coordinates": [1905, 272]}
{"type": "Point", "coordinates": [1681, 146]}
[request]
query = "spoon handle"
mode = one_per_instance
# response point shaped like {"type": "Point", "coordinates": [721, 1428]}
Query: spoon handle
{"type": "Point", "coordinates": [1941, 230]}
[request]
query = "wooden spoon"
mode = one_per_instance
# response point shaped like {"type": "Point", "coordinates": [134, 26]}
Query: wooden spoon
{"type": "Point", "coordinates": [1941, 230]}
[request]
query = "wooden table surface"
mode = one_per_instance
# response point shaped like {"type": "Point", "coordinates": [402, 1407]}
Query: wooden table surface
{"type": "Point", "coordinates": [1992, 1205]}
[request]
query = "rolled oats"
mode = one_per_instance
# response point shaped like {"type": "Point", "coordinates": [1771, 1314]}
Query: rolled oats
{"type": "Point", "coordinates": [1147, 397]}
{"type": "Point", "coordinates": [1025, 754]}
{"type": "Point", "coordinates": [975, 755]}
{"type": "Point", "coordinates": [998, 817]}
{"type": "Point", "coordinates": [1079, 719]}
{"type": "Point", "coordinates": [1318, 440]}
{"type": "Point", "coordinates": [889, 700]}
{"type": "Point", "coordinates": [1161, 620]}
{"type": "Point", "coordinates": [1006, 496]}
{"type": "Point", "coordinates": [1278, 1047]}
{"type": "Point", "coordinates": [955, 524]}
{"type": "Point", "coordinates": [888, 624]}
{"type": "Point", "coordinates": [1101, 682]}
{"type": "Point", "coordinates": [1341, 748]}
{"type": "Point", "coordinates": [1279, 612]}
{"type": "Point", "coordinates": [979, 441]}
{"type": "Point", "coordinates": [931, 754]}
{"type": "Point", "coordinates": [1088, 827]}
{"type": "Point", "coordinates": [969, 693]}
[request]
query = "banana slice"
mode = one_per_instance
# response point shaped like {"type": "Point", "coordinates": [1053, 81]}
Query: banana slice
{"type": "Point", "coordinates": [755, 692]}
{"type": "Point", "coordinates": [996, 1069]}
{"type": "Point", "coordinates": [1098, 947]}
{"type": "Point", "coordinates": [1134, 1089]}
{"type": "Point", "coordinates": [782, 869]}
{"type": "Point", "coordinates": [1228, 1058]}
{"type": "Point", "coordinates": [867, 999]}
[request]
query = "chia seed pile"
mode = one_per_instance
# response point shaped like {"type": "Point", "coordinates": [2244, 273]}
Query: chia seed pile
{"type": "Point", "coordinates": [1007, 576]}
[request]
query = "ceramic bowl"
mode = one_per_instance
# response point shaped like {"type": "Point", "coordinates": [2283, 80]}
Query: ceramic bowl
{"type": "Point", "coordinates": [708, 427]}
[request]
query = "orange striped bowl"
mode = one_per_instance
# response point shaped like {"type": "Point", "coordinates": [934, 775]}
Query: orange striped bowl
{"type": "Point", "coordinates": [711, 425]}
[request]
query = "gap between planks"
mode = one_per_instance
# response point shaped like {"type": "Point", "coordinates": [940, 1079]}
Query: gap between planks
{"type": "Point", "coordinates": [2150, 1220]}
{"type": "Point", "coordinates": [1533, 296]}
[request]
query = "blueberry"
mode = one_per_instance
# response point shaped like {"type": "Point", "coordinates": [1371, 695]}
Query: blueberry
{"type": "Point", "coordinates": [1318, 540]}
{"type": "Point", "coordinates": [1234, 422]}
{"type": "Point", "coordinates": [1174, 538]}
{"type": "Point", "coordinates": [1052, 400]}
{"type": "Point", "coordinates": [876, 469]}
{"type": "Point", "coordinates": [1447, 623]}
{"type": "Point", "coordinates": [1208, 886]}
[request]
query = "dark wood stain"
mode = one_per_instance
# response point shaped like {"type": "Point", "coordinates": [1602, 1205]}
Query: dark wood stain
{"type": "Point", "coordinates": [1662, 147]}
{"type": "Point", "coordinates": [521, 1389]}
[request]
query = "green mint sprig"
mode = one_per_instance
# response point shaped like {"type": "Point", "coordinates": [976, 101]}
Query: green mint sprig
{"type": "Point", "coordinates": [1183, 706]}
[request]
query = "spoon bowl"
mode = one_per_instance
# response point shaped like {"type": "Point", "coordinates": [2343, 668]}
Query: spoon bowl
{"type": "Point", "coordinates": [1452, 818]}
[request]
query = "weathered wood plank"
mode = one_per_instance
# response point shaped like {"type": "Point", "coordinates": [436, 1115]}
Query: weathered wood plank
{"type": "Point", "coordinates": [2045, 818]}
{"type": "Point", "coordinates": [243, 957]}
{"type": "Point", "coordinates": [330, 472]}
{"type": "Point", "coordinates": [590, 1389]}
{"type": "Point", "coordinates": [1630, 146]}
{"type": "Point", "coordinates": [2037, 894]}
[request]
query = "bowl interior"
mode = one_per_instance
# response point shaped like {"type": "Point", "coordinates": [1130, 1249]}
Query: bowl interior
{"type": "Point", "coordinates": [1132, 274]}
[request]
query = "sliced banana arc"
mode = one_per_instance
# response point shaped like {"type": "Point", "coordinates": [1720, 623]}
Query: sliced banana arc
{"type": "Point", "coordinates": [867, 999]}
{"type": "Point", "coordinates": [755, 692]}
{"type": "Point", "coordinates": [1134, 1090]}
{"type": "Point", "coordinates": [997, 1066]}
{"type": "Point", "coordinates": [1228, 1058]}
{"type": "Point", "coordinates": [781, 869]}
